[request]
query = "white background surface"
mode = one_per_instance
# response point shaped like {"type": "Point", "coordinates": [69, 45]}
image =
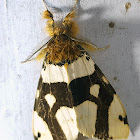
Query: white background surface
{"type": "Point", "coordinates": [21, 28]}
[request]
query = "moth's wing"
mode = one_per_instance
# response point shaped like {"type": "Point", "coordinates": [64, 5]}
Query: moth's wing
{"type": "Point", "coordinates": [99, 111]}
{"type": "Point", "coordinates": [54, 117]}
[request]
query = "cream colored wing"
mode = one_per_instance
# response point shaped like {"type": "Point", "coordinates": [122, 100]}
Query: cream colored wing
{"type": "Point", "coordinates": [77, 98]}
{"type": "Point", "coordinates": [99, 111]}
{"type": "Point", "coordinates": [54, 117]}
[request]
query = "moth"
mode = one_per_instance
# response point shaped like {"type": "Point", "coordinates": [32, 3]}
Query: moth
{"type": "Point", "coordinates": [73, 95]}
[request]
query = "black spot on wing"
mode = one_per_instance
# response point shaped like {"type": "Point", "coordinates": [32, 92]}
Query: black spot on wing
{"type": "Point", "coordinates": [88, 57]}
{"type": "Point", "coordinates": [120, 118]}
{"type": "Point", "coordinates": [43, 66]}
{"type": "Point", "coordinates": [124, 119]}
{"type": "Point", "coordinates": [39, 134]}
{"type": "Point", "coordinates": [80, 89]}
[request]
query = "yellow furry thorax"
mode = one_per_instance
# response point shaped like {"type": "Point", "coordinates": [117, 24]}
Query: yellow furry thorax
{"type": "Point", "coordinates": [61, 48]}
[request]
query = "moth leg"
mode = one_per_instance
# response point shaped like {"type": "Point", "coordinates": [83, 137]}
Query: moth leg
{"type": "Point", "coordinates": [41, 47]}
{"type": "Point", "coordinates": [71, 27]}
{"type": "Point", "coordinates": [50, 23]}
{"type": "Point", "coordinates": [89, 46]}
{"type": "Point", "coordinates": [92, 47]}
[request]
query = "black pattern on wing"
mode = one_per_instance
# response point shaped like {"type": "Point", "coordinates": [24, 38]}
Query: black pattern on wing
{"type": "Point", "coordinates": [63, 98]}
{"type": "Point", "coordinates": [80, 89]}
{"type": "Point", "coordinates": [74, 95]}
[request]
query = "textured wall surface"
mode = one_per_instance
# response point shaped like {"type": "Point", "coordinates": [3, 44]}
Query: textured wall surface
{"type": "Point", "coordinates": [21, 28]}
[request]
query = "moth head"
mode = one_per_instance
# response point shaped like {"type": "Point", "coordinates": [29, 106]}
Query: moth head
{"type": "Point", "coordinates": [68, 26]}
